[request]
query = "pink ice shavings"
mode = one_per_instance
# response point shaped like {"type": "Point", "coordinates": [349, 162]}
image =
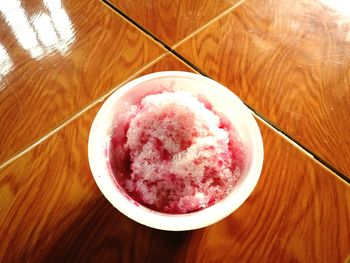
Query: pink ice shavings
{"type": "Point", "coordinates": [180, 155]}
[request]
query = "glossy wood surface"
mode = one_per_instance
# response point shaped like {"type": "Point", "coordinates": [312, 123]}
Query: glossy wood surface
{"type": "Point", "coordinates": [56, 59]}
{"type": "Point", "coordinates": [172, 20]}
{"type": "Point", "coordinates": [290, 61]}
{"type": "Point", "coordinates": [52, 211]}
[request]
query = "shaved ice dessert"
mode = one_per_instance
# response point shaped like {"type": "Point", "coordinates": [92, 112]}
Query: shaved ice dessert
{"type": "Point", "coordinates": [172, 153]}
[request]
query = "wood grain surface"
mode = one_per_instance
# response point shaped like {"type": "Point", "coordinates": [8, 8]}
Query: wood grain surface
{"type": "Point", "coordinates": [52, 211]}
{"type": "Point", "coordinates": [290, 61]}
{"type": "Point", "coordinates": [172, 20]}
{"type": "Point", "coordinates": [56, 59]}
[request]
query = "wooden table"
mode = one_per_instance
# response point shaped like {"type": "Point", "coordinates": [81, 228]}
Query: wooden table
{"type": "Point", "coordinates": [288, 61]}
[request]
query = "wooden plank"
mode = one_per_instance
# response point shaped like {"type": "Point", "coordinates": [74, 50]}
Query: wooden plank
{"type": "Point", "coordinates": [172, 20]}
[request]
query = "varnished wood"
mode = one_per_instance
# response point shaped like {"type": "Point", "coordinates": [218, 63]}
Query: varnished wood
{"type": "Point", "coordinates": [172, 20]}
{"type": "Point", "coordinates": [85, 50]}
{"type": "Point", "coordinates": [52, 211]}
{"type": "Point", "coordinates": [289, 60]}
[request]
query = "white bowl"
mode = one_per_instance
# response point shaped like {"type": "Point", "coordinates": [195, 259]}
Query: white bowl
{"type": "Point", "coordinates": [223, 101]}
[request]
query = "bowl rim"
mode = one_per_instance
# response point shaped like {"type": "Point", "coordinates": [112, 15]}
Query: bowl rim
{"type": "Point", "coordinates": [163, 221]}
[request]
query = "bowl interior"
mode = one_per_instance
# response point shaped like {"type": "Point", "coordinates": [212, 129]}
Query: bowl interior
{"type": "Point", "coordinates": [223, 101]}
